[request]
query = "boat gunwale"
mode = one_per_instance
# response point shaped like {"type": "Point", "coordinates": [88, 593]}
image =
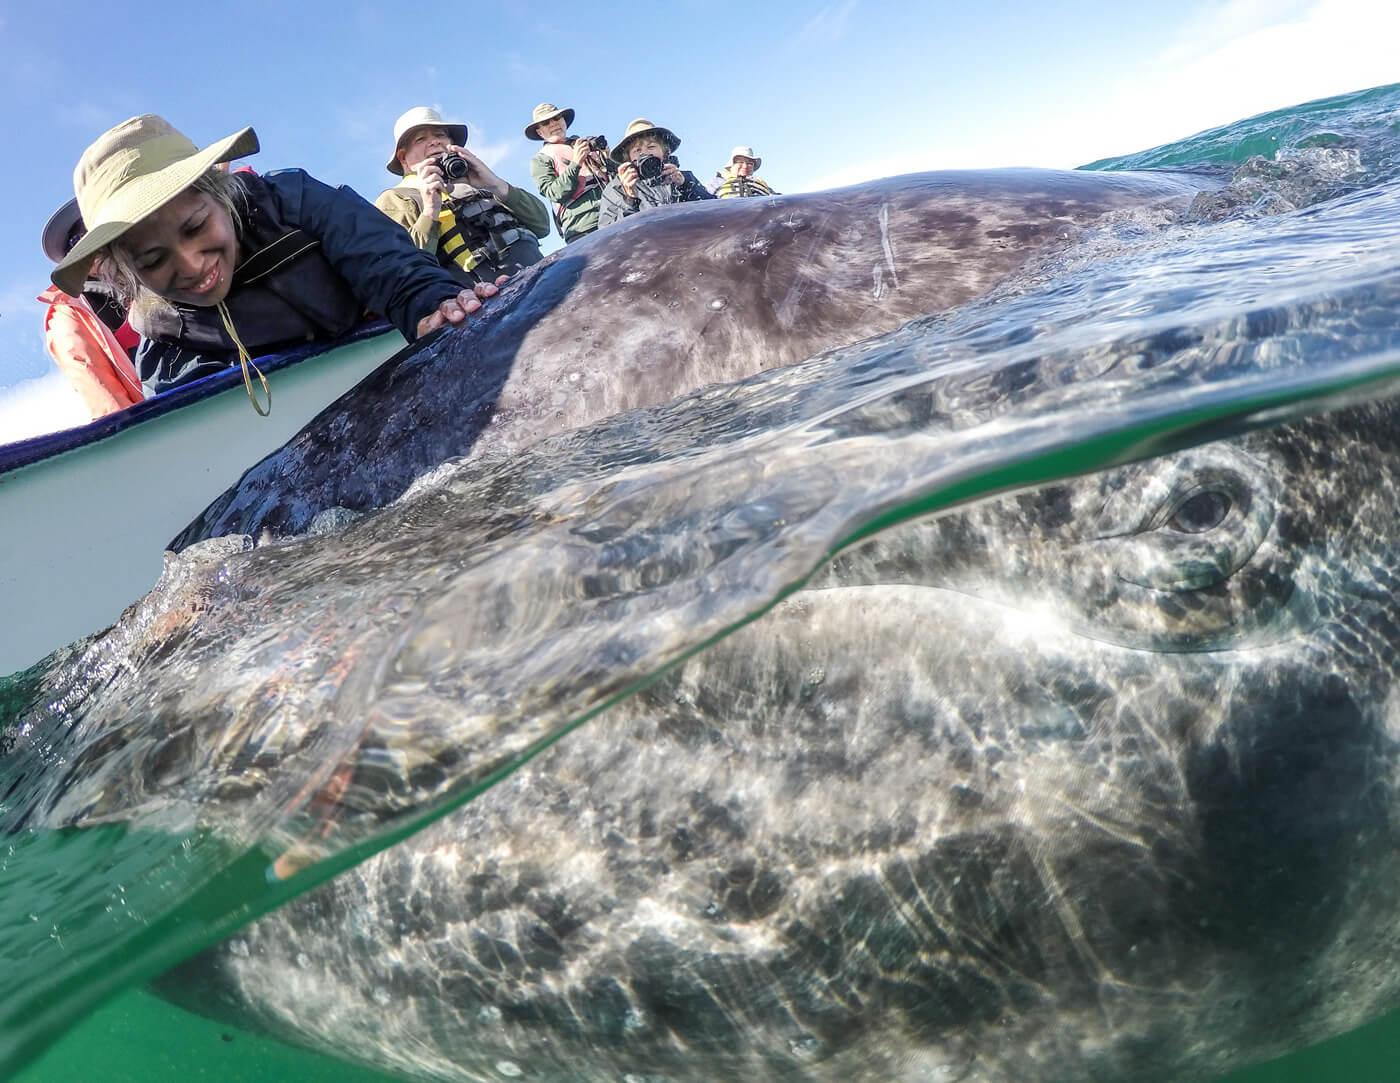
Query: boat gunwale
{"type": "Point", "coordinates": [36, 449]}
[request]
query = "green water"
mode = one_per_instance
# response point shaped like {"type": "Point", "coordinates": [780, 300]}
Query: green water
{"type": "Point", "coordinates": [140, 1039]}
{"type": "Point", "coordinates": [119, 1044]}
{"type": "Point", "coordinates": [1358, 119]}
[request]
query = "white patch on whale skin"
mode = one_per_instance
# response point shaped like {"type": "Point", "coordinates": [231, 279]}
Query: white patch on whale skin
{"type": "Point", "coordinates": [886, 244]}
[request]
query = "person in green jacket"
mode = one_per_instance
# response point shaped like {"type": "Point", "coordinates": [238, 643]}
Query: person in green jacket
{"type": "Point", "coordinates": [477, 225]}
{"type": "Point", "coordinates": [569, 171]}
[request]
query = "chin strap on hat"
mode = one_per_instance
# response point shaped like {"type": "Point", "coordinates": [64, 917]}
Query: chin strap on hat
{"type": "Point", "coordinates": [246, 363]}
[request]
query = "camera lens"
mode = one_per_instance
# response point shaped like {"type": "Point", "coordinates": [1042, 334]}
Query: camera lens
{"type": "Point", "coordinates": [454, 166]}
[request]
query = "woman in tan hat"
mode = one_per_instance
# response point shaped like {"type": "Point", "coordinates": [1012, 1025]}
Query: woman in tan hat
{"type": "Point", "coordinates": [569, 171]}
{"type": "Point", "coordinates": [220, 268]}
{"type": "Point", "coordinates": [648, 174]}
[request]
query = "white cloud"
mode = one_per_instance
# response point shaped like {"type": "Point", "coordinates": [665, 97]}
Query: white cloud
{"type": "Point", "coordinates": [1281, 54]}
{"type": "Point", "coordinates": [33, 407]}
{"type": "Point", "coordinates": [828, 25]}
{"type": "Point", "coordinates": [1228, 20]}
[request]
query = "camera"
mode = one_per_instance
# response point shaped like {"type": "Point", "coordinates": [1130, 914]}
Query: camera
{"type": "Point", "coordinates": [649, 167]}
{"type": "Point", "coordinates": [454, 167]}
{"type": "Point", "coordinates": [597, 143]}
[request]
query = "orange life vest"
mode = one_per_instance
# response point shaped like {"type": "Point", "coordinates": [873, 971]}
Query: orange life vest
{"type": "Point", "coordinates": [86, 351]}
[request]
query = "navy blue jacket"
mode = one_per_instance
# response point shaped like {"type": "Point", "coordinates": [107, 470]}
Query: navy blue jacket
{"type": "Point", "coordinates": [337, 258]}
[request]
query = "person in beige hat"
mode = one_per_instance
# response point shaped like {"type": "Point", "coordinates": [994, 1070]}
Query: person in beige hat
{"type": "Point", "coordinates": [221, 268]}
{"type": "Point", "coordinates": [477, 226]}
{"type": "Point", "coordinates": [737, 179]}
{"type": "Point", "coordinates": [648, 174]}
{"type": "Point", "coordinates": [570, 171]}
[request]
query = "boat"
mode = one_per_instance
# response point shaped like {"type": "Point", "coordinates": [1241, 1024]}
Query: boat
{"type": "Point", "coordinates": [87, 512]}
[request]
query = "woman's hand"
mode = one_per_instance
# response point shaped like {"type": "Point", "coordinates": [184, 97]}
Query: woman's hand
{"type": "Point", "coordinates": [457, 309]}
{"type": "Point", "coordinates": [628, 175]}
{"type": "Point", "coordinates": [672, 175]}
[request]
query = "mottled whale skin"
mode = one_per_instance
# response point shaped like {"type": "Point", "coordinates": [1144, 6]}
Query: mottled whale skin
{"type": "Point", "coordinates": [1096, 782]}
{"type": "Point", "coordinates": [670, 301]}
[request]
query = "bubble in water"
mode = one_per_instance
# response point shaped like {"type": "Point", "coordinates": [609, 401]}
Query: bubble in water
{"type": "Point", "coordinates": [303, 960]}
{"type": "Point", "coordinates": [509, 1068]}
{"type": "Point", "coordinates": [490, 1014]}
{"type": "Point", "coordinates": [238, 948]}
{"type": "Point", "coordinates": [718, 303]}
{"type": "Point", "coordinates": [381, 996]}
{"type": "Point", "coordinates": [805, 1048]}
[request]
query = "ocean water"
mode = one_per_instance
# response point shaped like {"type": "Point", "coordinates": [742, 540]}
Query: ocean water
{"type": "Point", "coordinates": [1287, 272]}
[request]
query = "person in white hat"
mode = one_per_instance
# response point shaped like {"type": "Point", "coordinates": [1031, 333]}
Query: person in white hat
{"type": "Point", "coordinates": [737, 179]}
{"type": "Point", "coordinates": [476, 225]}
{"type": "Point", "coordinates": [569, 171]}
{"type": "Point", "coordinates": [223, 268]}
{"type": "Point", "coordinates": [648, 174]}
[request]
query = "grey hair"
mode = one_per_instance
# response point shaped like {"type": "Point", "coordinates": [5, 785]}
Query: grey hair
{"type": "Point", "coordinates": [118, 269]}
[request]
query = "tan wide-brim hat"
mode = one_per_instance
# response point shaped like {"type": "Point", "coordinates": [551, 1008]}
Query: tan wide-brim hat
{"type": "Point", "coordinates": [422, 116]}
{"type": "Point", "coordinates": [638, 128]}
{"type": "Point", "coordinates": [544, 111]}
{"type": "Point", "coordinates": [129, 173]}
{"type": "Point", "coordinates": [746, 152]}
{"type": "Point", "coordinates": [57, 228]}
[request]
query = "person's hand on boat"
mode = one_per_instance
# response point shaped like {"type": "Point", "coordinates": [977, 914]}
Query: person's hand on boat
{"type": "Point", "coordinates": [457, 309]}
{"type": "Point", "coordinates": [479, 174]}
{"type": "Point", "coordinates": [672, 175]}
{"type": "Point", "coordinates": [628, 176]}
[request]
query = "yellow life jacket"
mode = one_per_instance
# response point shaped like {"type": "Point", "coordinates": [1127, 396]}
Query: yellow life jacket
{"type": "Point", "coordinates": [732, 186]}
{"type": "Point", "coordinates": [469, 215]}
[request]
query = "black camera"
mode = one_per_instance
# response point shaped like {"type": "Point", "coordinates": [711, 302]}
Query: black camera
{"type": "Point", "coordinates": [591, 142]}
{"type": "Point", "coordinates": [649, 167]}
{"type": "Point", "coordinates": [454, 167]}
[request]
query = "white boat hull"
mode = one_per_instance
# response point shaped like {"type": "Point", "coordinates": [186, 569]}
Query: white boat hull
{"type": "Point", "coordinates": [82, 531]}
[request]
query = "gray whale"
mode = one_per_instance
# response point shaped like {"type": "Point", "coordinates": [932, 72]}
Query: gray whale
{"type": "Point", "coordinates": [1093, 782]}
{"type": "Point", "coordinates": [642, 312]}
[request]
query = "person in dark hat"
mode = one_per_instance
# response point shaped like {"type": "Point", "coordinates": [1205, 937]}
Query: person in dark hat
{"type": "Point", "coordinates": [648, 174]}
{"type": "Point", "coordinates": [569, 171]}
{"type": "Point", "coordinates": [87, 334]}
{"type": "Point", "coordinates": [477, 225]}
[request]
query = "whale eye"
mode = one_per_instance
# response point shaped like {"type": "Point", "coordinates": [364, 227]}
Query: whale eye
{"type": "Point", "coordinates": [1200, 512]}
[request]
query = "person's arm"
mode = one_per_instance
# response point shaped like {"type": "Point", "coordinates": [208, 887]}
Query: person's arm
{"type": "Point", "coordinates": [374, 254]}
{"type": "Point", "coordinates": [555, 187]}
{"type": "Point", "coordinates": [614, 205]}
{"type": "Point", "coordinates": [162, 365]}
{"type": "Point", "coordinates": [422, 226]}
{"type": "Point", "coordinates": [693, 189]}
{"type": "Point", "coordinates": [528, 209]}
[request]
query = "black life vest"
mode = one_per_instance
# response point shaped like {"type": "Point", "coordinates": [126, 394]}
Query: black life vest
{"type": "Point", "coordinates": [484, 240]}
{"type": "Point", "coordinates": [284, 291]}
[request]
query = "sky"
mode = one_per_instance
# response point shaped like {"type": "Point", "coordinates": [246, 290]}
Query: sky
{"type": "Point", "coordinates": [829, 93]}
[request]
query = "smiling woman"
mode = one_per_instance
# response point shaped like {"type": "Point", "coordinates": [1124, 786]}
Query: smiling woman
{"type": "Point", "coordinates": [218, 269]}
